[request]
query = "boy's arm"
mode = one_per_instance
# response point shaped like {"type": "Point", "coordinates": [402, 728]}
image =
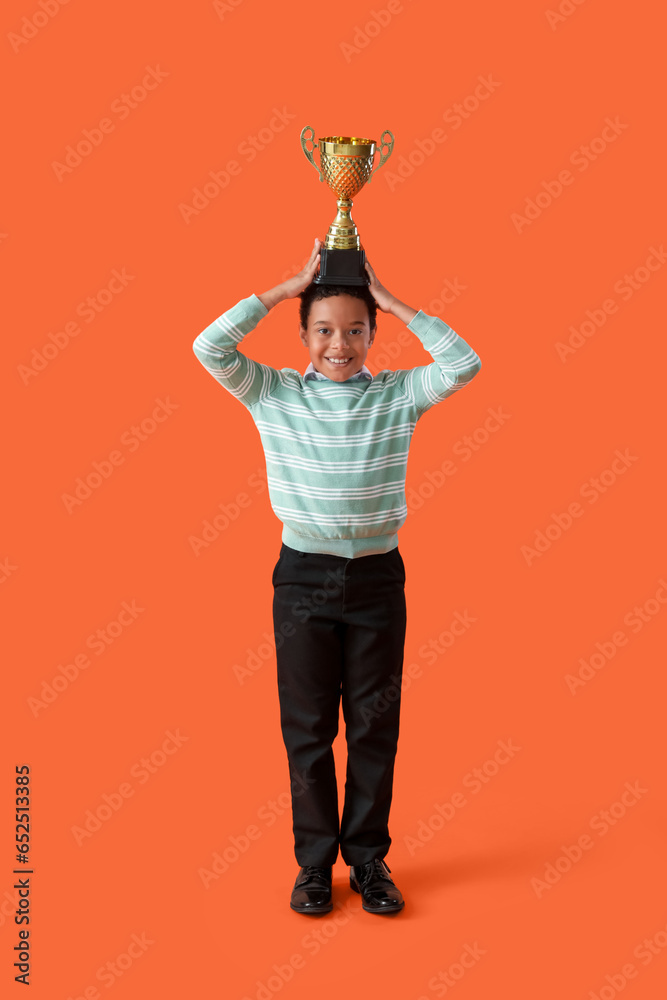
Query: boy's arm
{"type": "Point", "coordinates": [454, 364]}
{"type": "Point", "coordinates": [216, 347]}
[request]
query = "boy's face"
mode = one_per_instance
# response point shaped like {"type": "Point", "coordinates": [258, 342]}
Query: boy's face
{"type": "Point", "coordinates": [338, 336]}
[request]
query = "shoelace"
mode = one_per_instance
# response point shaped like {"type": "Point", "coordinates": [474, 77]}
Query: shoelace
{"type": "Point", "coordinates": [377, 868]}
{"type": "Point", "coordinates": [314, 872]}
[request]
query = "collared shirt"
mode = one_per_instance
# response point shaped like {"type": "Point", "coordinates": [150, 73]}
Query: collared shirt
{"type": "Point", "coordinates": [312, 372]}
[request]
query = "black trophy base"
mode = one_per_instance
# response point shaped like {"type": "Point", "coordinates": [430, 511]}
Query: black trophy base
{"type": "Point", "coordinates": [342, 267]}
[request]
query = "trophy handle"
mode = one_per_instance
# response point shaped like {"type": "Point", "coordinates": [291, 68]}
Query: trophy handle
{"type": "Point", "coordinates": [383, 156]}
{"type": "Point", "coordinates": [309, 152]}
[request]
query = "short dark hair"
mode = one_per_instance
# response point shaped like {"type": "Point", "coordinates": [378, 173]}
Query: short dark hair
{"type": "Point", "coordinates": [313, 293]}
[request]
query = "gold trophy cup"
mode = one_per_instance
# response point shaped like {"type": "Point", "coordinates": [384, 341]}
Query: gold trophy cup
{"type": "Point", "coordinates": [346, 164]}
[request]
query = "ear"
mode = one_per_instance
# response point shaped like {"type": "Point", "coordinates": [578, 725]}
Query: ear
{"type": "Point", "coordinates": [372, 335]}
{"type": "Point", "coordinates": [303, 334]}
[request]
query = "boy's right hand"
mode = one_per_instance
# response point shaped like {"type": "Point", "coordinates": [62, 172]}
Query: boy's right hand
{"type": "Point", "coordinates": [293, 286]}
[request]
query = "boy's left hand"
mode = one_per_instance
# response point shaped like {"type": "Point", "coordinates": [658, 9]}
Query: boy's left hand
{"type": "Point", "coordinates": [384, 299]}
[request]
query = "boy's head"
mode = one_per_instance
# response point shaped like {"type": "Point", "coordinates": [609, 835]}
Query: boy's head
{"type": "Point", "coordinates": [337, 325]}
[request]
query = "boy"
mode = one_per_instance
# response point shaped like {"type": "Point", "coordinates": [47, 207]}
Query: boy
{"type": "Point", "coordinates": [336, 443]}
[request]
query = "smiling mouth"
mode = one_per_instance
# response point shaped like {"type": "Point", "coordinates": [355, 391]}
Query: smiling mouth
{"type": "Point", "coordinates": [338, 361]}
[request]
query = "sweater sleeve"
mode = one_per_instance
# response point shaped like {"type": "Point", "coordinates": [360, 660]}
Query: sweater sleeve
{"type": "Point", "coordinates": [216, 348]}
{"type": "Point", "coordinates": [454, 364]}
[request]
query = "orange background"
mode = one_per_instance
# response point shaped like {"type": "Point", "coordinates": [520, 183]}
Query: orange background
{"type": "Point", "coordinates": [67, 574]}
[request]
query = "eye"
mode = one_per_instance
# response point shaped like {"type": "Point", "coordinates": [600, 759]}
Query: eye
{"type": "Point", "coordinates": [324, 329]}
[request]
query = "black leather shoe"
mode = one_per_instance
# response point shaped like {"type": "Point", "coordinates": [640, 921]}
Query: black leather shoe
{"type": "Point", "coordinates": [378, 892]}
{"type": "Point", "coordinates": [312, 890]}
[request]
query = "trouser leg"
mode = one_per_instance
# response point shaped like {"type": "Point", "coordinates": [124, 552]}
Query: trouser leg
{"type": "Point", "coordinates": [307, 596]}
{"type": "Point", "coordinates": [375, 619]}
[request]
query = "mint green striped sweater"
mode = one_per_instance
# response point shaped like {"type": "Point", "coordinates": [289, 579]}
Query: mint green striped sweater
{"type": "Point", "coordinates": [336, 452]}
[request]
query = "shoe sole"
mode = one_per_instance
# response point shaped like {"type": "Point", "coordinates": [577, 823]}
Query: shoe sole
{"type": "Point", "coordinates": [377, 909]}
{"type": "Point", "coordinates": [312, 909]}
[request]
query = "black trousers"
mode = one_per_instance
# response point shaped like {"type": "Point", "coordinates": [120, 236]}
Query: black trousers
{"type": "Point", "coordinates": [340, 633]}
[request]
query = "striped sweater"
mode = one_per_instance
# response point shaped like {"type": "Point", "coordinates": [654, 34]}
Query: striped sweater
{"type": "Point", "coordinates": [336, 452]}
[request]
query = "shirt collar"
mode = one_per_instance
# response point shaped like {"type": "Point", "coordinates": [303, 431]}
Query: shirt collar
{"type": "Point", "coordinates": [311, 372]}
